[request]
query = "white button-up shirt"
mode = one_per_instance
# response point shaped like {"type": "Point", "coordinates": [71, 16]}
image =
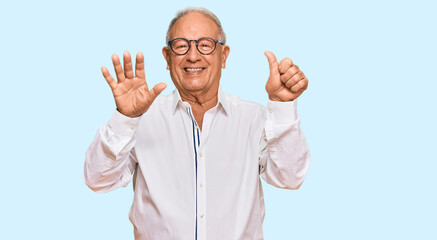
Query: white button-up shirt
{"type": "Point", "coordinates": [199, 184]}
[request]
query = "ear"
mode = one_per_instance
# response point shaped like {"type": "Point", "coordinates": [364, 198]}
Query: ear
{"type": "Point", "coordinates": [166, 53]}
{"type": "Point", "coordinates": [225, 54]}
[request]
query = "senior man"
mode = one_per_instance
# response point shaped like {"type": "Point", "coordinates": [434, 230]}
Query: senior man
{"type": "Point", "coordinates": [196, 155]}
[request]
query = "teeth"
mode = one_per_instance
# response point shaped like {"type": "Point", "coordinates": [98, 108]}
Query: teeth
{"type": "Point", "coordinates": [193, 69]}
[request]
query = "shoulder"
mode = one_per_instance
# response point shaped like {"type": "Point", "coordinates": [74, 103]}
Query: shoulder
{"type": "Point", "coordinates": [161, 106]}
{"type": "Point", "coordinates": [247, 115]}
{"type": "Point", "coordinates": [163, 99]}
{"type": "Point", "coordinates": [236, 102]}
{"type": "Point", "coordinates": [243, 109]}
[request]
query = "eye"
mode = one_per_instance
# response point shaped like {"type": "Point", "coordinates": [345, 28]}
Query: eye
{"type": "Point", "coordinates": [206, 44]}
{"type": "Point", "coordinates": [181, 46]}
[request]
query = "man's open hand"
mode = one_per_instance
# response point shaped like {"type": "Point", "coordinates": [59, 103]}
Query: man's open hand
{"type": "Point", "coordinates": [131, 94]}
{"type": "Point", "coordinates": [286, 82]}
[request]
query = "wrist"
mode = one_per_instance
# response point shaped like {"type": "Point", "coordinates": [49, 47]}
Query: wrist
{"type": "Point", "coordinates": [278, 99]}
{"type": "Point", "coordinates": [128, 115]}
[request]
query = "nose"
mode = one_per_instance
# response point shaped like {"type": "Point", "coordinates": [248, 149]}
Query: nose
{"type": "Point", "coordinates": [193, 55]}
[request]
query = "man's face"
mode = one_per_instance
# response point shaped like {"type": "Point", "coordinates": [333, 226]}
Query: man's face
{"type": "Point", "coordinates": [195, 73]}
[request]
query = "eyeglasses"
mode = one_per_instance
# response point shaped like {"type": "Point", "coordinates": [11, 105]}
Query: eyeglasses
{"type": "Point", "coordinates": [206, 45]}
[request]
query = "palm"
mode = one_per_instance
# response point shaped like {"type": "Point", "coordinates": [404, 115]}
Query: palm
{"type": "Point", "coordinates": [132, 96]}
{"type": "Point", "coordinates": [131, 93]}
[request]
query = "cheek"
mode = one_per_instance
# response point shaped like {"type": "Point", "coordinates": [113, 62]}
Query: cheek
{"type": "Point", "coordinates": [172, 67]}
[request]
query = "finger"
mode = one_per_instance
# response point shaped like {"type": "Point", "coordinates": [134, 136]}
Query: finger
{"type": "Point", "coordinates": [284, 65]}
{"type": "Point", "coordinates": [109, 78]}
{"type": "Point", "coordinates": [294, 80]}
{"type": "Point", "coordinates": [157, 89]}
{"type": "Point", "coordinates": [139, 66]}
{"type": "Point", "coordinates": [300, 86]}
{"type": "Point", "coordinates": [118, 69]}
{"type": "Point", "coordinates": [273, 63]}
{"type": "Point", "coordinates": [298, 93]}
{"type": "Point", "coordinates": [127, 62]}
{"type": "Point", "coordinates": [289, 73]}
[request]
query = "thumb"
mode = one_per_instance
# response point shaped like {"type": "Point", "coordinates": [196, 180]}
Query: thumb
{"type": "Point", "coordinates": [157, 89]}
{"type": "Point", "coordinates": [273, 63]}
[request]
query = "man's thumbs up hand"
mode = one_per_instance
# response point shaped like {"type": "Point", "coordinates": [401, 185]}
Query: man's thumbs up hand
{"type": "Point", "coordinates": [286, 82]}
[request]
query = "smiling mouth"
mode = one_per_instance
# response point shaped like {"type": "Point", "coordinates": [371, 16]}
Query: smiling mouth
{"type": "Point", "coordinates": [193, 70]}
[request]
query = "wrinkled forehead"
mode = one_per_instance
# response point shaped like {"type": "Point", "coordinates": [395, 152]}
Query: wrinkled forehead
{"type": "Point", "coordinates": [194, 26]}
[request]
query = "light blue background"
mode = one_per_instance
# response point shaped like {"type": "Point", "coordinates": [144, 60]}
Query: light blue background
{"type": "Point", "coordinates": [369, 113]}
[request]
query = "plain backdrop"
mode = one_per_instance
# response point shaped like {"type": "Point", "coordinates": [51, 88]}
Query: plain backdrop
{"type": "Point", "coordinates": [369, 114]}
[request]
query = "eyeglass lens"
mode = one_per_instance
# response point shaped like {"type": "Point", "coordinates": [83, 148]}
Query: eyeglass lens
{"type": "Point", "coordinates": [204, 45]}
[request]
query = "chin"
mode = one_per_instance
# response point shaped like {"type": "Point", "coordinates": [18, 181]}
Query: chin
{"type": "Point", "coordinates": [194, 86]}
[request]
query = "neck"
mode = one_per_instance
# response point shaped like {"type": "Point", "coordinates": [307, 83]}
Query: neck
{"type": "Point", "coordinates": [200, 103]}
{"type": "Point", "coordinates": [203, 100]}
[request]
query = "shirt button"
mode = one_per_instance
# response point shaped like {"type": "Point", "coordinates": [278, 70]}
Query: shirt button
{"type": "Point", "coordinates": [201, 184]}
{"type": "Point", "coordinates": [201, 215]}
{"type": "Point", "coordinates": [270, 110]}
{"type": "Point", "coordinates": [132, 127]}
{"type": "Point", "coordinates": [200, 155]}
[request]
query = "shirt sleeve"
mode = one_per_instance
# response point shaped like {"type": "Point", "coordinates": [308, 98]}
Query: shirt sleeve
{"type": "Point", "coordinates": [110, 159]}
{"type": "Point", "coordinates": [284, 155]}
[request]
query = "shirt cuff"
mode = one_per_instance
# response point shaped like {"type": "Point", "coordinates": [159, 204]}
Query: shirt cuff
{"type": "Point", "coordinates": [282, 112]}
{"type": "Point", "coordinates": [122, 124]}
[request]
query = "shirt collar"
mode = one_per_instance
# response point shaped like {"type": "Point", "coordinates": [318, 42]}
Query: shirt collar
{"type": "Point", "coordinates": [176, 100]}
{"type": "Point", "coordinates": [223, 100]}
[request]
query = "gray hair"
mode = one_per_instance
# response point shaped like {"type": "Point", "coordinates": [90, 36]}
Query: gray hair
{"type": "Point", "coordinates": [203, 11]}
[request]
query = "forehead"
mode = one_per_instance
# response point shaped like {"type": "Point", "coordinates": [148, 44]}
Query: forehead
{"type": "Point", "coordinates": [194, 26]}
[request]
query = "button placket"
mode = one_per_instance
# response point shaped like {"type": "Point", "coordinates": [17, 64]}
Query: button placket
{"type": "Point", "coordinates": [201, 194]}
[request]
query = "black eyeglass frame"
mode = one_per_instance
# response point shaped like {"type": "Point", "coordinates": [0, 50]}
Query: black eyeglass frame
{"type": "Point", "coordinates": [197, 45]}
